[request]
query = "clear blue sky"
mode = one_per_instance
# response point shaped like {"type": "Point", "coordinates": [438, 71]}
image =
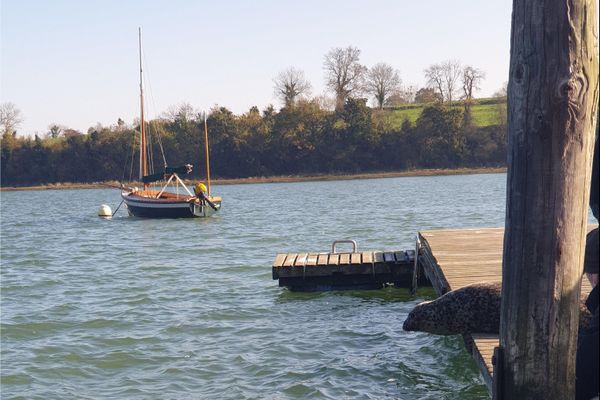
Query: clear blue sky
{"type": "Point", "coordinates": [75, 63]}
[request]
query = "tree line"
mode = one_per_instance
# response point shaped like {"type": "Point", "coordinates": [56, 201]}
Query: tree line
{"type": "Point", "coordinates": [296, 140]}
{"type": "Point", "coordinates": [306, 136]}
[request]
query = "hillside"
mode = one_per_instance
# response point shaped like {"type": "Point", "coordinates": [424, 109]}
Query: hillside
{"type": "Point", "coordinates": [486, 112]}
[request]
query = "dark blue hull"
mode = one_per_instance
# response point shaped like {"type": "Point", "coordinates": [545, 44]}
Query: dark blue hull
{"type": "Point", "coordinates": [145, 212]}
{"type": "Point", "coordinates": [149, 207]}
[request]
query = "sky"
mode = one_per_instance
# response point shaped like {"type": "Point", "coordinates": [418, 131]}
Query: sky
{"type": "Point", "coordinates": [75, 63]}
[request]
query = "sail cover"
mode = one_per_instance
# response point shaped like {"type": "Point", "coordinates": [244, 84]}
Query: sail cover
{"type": "Point", "coordinates": [167, 171]}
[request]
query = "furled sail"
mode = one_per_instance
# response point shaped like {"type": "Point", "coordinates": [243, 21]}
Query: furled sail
{"type": "Point", "coordinates": [167, 171]}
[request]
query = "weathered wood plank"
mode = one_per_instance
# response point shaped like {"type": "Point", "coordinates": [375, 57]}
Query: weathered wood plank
{"type": "Point", "coordinates": [311, 260]}
{"type": "Point", "coordinates": [279, 259]}
{"type": "Point", "coordinates": [289, 260]}
{"type": "Point", "coordinates": [400, 256]}
{"type": "Point", "coordinates": [300, 260]}
{"type": "Point", "coordinates": [378, 257]}
{"type": "Point", "coordinates": [367, 257]}
{"type": "Point", "coordinates": [355, 258]}
{"type": "Point", "coordinates": [322, 259]}
{"type": "Point", "coordinates": [389, 257]}
{"type": "Point", "coordinates": [344, 258]}
{"type": "Point", "coordinates": [334, 259]}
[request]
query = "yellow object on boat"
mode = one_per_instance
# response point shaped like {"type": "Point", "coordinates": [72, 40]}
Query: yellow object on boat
{"type": "Point", "coordinates": [200, 187]}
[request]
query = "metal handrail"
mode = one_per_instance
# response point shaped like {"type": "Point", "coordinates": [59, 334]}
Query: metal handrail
{"type": "Point", "coordinates": [352, 242]}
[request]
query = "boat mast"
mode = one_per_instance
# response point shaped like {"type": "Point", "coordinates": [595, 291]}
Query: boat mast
{"type": "Point", "coordinates": [206, 153]}
{"type": "Point", "coordinates": [143, 168]}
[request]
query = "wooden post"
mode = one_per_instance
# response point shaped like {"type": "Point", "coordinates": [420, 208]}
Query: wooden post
{"type": "Point", "coordinates": [552, 104]}
{"type": "Point", "coordinates": [206, 155]}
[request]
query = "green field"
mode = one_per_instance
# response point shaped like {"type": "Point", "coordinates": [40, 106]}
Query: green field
{"type": "Point", "coordinates": [485, 112]}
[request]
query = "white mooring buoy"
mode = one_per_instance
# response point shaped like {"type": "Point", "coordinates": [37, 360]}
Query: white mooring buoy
{"type": "Point", "coordinates": [104, 211]}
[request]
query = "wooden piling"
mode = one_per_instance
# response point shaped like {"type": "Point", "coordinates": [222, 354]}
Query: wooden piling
{"type": "Point", "coordinates": [552, 105]}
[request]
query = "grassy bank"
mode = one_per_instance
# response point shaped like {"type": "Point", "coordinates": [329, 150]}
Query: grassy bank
{"type": "Point", "coordinates": [485, 112]}
{"type": "Point", "coordinates": [275, 179]}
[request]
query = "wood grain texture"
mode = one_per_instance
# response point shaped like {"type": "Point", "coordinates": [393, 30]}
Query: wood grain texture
{"type": "Point", "coordinates": [344, 258]}
{"type": "Point", "coordinates": [289, 260]}
{"type": "Point", "coordinates": [279, 259]}
{"type": "Point", "coordinates": [301, 260]}
{"type": "Point", "coordinates": [311, 260]}
{"type": "Point", "coordinates": [355, 258]}
{"type": "Point", "coordinates": [322, 259]}
{"type": "Point", "coordinates": [367, 257]}
{"type": "Point", "coordinates": [552, 106]}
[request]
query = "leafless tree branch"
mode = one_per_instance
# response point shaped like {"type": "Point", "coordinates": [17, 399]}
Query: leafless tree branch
{"type": "Point", "coordinates": [290, 84]}
{"type": "Point", "coordinates": [344, 74]}
{"type": "Point", "coordinates": [382, 81]}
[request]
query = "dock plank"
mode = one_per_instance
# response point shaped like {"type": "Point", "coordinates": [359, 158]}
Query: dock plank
{"type": "Point", "coordinates": [400, 256]}
{"type": "Point", "coordinates": [322, 259]}
{"type": "Point", "coordinates": [279, 259]}
{"type": "Point", "coordinates": [311, 260]}
{"type": "Point", "coordinates": [454, 258]}
{"type": "Point", "coordinates": [334, 259]}
{"type": "Point", "coordinates": [367, 257]}
{"type": "Point", "coordinates": [289, 260]}
{"type": "Point", "coordinates": [389, 257]}
{"type": "Point", "coordinates": [346, 270]}
{"type": "Point", "coordinates": [355, 258]}
{"type": "Point", "coordinates": [301, 260]}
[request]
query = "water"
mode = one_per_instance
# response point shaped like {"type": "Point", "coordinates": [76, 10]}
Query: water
{"type": "Point", "coordinates": [131, 308]}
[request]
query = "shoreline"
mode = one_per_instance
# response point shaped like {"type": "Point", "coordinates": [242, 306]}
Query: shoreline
{"type": "Point", "coordinates": [279, 179]}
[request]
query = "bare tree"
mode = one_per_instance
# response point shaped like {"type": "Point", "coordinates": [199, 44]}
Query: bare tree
{"type": "Point", "coordinates": [382, 81]}
{"type": "Point", "coordinates": [435, 79]}
{"type": "Point", "coordinates": [343, 73]}
{"type": "Point", "coordinates": [452, 72]}
{"type": "Point", "coordinates": [10, 118]}
{"type": "Point", "coordinates": [290, 84]}
{"type": "Point", "coordinates": [444, 78]}
{"type": "Point", "coordinates": [182, 113]}
{"type": "Point", "coordinates": [471, 79]}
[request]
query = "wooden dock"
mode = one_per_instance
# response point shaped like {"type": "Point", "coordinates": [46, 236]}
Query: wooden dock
{"type": "Point", "coordinates": [344, 270]}
{"type": "Point", "coordinates": [454, 258]}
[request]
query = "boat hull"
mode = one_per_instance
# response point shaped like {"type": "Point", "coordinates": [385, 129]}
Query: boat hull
{"type": "Point", "coordinates": [145, 207]}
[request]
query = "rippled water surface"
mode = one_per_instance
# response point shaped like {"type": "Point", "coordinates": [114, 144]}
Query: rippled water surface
{"type": "Point", "coordinates": [133, 308]}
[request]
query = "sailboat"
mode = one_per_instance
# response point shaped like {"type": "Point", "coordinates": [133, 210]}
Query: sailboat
{"type": "Point", "coordinates": [160, 202]}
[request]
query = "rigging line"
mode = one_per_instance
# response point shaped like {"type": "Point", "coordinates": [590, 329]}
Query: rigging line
{"type": "Point", "coordinates": [148, 82]}
{"type": "Point", "coordinates": [149, 150]}
{"type": "Point", "coordinates": [162, 151]}
{"type": "Point", "coordinates": [133, 147]}
{"type": "Point", "coordinates": [124, 167]}
{"type": "Point", "coordinates": [151, 155]}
